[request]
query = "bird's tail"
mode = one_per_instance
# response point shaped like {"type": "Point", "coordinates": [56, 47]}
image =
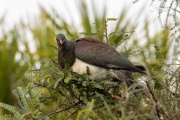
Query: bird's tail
{"type": "Point", "coordinates": [141, 67]}
{"type": "Point", "coordinates": [127, 77]}
{"type": "Point", "coordinates": [137, 68]}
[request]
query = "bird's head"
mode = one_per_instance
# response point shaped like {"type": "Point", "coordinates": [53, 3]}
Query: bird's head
{"type": "Point", "coordinates": [61, 39]}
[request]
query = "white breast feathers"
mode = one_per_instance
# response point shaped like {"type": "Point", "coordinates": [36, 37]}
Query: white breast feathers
{"type": "Point", "coordinates": [95, 71]}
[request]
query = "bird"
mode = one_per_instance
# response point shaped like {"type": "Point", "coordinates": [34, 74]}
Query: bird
{"type": "Point", "coordinates": [103, 61]}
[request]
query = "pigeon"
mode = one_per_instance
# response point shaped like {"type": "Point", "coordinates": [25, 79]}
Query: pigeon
{"type": "Point", "coordinates": [103, 61]}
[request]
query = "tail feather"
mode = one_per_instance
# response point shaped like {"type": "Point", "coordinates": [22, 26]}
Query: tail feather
{"type": "Point", "coordinates": [127, 77]}
{"type": "Point", "coordinates": [136, 69]}
{"type": "Point", "coordinates": [141, 67]}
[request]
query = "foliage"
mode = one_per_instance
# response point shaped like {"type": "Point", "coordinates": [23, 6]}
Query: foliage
{"type": "Point", "coordinates": [48, 92]}
{"type": "Point", "coordinates": [54, 93]}
{"type": "Point", "coordinates": [11, 67]}
{"type": "Point", "coordinates": [169, 9]}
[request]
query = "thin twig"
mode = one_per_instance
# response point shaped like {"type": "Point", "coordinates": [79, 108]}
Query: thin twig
{"type": "Point", "coordinates": [126, 101]}
{"type": "Point", "coordinates": [53, 47]}
{"type": "Point", "coordinates": [71, 114]}
{"type": "Point", "coordinates": [105, 33]}
{"type": "Point", "coordinates": [100, 106]}
{"type": "Point", "coordinates": [174, 9]}
{"type": "Point", "coordinates": [57, 64]}
{"type": "Point", "coordinates": [56, 112]}
{"type": "Point", "coordinates": [155, 100]}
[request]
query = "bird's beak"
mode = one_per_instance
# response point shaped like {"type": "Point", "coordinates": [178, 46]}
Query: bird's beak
{"type": "Point", "coordinates": [61, 41]}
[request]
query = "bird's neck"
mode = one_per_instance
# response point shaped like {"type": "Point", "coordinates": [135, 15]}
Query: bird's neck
{"type": "Point", "coordinates": [66, 54]}
{"type": "Point", "coordinates": [69, 45]}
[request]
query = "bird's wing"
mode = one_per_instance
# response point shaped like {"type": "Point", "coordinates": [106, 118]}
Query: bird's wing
{"type": "Point", "coordinates": [97, 53]}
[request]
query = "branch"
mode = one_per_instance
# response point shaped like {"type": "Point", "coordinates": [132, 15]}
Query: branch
{"type": "Point", "coordinates": [105, 33]}
{"type": "Point", "coordinates": [155, 100]}
{"type": "Point", "coordinates": [126, 101]}
{"type": "Point", "coordinates": [57, 64]}
{"type": "Point", "coordinates": [58, 111]}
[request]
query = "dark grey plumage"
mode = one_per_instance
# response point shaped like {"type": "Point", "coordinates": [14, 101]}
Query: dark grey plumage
{"type": "Point", "coordinates": [98, 56]}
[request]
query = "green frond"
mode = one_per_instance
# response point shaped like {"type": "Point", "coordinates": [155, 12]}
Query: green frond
{"type": "Point", "coordinates": [11, 109]}
{"type": "Point", "coordinates": [23, 100]}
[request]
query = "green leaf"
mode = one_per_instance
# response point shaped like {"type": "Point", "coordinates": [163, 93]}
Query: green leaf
{"type": "Point", "coordinates": [57, 82]}
{"type": "Point", "coordinates": [67, 80]}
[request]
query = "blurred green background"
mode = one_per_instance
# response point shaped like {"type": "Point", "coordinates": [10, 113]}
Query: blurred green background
{"type": "Point", "coordinates": [35, 39]}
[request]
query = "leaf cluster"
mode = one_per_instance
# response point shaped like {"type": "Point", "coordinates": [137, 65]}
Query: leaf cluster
{"type": "Point", "coordinates": [53, 93]}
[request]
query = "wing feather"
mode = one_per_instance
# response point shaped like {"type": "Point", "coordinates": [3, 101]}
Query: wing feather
{"type": "Point", "coordinates": [100, 54]}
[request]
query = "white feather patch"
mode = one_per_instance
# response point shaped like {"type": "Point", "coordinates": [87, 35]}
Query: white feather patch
{"type": "Point", "coordinates": [95, 71]}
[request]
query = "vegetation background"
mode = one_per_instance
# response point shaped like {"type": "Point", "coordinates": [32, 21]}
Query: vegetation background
{"type": "Point", "coordinates": [31, 80]}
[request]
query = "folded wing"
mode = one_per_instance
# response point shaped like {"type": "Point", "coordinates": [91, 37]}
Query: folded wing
{"type": "Point", "coordinates": [97, 53]}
